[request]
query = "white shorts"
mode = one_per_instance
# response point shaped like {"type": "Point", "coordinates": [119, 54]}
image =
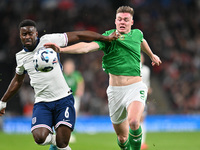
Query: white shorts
{"type": "Point", "coordinates": [119, 98]}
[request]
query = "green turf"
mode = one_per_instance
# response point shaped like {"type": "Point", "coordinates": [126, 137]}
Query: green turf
{"type": "Point", "coordinates": [174, 141]}
{"type": "Point", "coordinates": [107, 141]}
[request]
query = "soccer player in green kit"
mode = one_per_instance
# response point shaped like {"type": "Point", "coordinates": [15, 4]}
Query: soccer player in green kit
{"type": "Point", "coordinates": [126, 91]}
{"type": "Point", "coordinates": [76, 82]}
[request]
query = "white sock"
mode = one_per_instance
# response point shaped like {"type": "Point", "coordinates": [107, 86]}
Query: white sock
{"type": "Point", "coordinates": [143, 126]}
{"type": "Point", "coordinates": [50, 139]}
{"type": "Point", "coordinates": [66, 148]}
{"type": "Point", "coordinates": [53, 139]}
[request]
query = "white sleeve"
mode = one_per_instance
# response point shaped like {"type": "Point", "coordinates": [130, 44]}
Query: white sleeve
{"type": "Point", "coordinates": [20, 68]}
{"type": "Point", "coordinates": [60, 39]}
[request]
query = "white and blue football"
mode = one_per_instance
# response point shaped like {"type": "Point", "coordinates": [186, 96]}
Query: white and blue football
{"type": "Point", "coordinates": [45, 59]}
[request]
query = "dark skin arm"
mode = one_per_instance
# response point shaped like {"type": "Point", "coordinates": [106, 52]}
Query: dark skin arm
{"type": "Point", "coordinates": [86, 36]}
{"type": "Point", "coordinates": [14, 86]}
{"type": "Point", "coordinates": [89, 36]}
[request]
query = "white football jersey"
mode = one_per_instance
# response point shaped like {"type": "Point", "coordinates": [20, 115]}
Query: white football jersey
{"type": "Point", "coordinates": [48, 86]}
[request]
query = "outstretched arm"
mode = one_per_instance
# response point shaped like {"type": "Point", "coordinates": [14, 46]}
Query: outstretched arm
{"type": "Point", "coordinates": [89, 36]}
{"type": "Point", "coordinates": [12, 89]}
{"type": "Point", "coordinates": [154, 58]}
{"type": "Point", "coordinates": [79, 48]}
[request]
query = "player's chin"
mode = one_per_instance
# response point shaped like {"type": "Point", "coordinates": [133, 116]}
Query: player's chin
{"type": "Point", "coordinates": [122, 30]}
{"type": "Point", "coordinates": [28, 45]}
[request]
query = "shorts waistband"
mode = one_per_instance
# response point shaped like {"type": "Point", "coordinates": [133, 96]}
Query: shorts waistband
{"type": "Point", "coordinates": [126, 86]}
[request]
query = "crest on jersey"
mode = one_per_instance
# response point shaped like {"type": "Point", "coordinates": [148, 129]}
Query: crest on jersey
{"type": "Point", "coordinates": [121, 37]}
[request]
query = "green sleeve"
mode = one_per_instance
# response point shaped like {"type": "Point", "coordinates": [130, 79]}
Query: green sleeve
{"type": "Point", "coordinates": [103, 44]}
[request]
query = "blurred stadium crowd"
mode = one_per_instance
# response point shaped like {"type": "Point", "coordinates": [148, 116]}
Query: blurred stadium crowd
{"type": "Point", "coordinates": [172, 29]}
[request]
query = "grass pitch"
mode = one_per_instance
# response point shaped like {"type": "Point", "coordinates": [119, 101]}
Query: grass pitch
{"type": "Point", "coordinates": [107, 141]}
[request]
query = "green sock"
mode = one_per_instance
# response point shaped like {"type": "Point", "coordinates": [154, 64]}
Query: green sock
{"type": "Point", "coordinates": [124, 146]}
{"type": "Point", "coordinates": [135, 138]}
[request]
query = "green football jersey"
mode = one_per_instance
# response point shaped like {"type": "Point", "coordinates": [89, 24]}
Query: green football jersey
{"type": "Point", "coordinates": [73, 80]}
{"type": "Point", "coordinates": [122, 56]}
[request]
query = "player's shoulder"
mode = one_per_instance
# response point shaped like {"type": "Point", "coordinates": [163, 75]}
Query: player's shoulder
{"type": "Point", "coordinates": [20, 53]}
{"type": "Point", "coordinates": [45, 36]}
{"type": "Point", "coordinates": [52, 35]}
{"type": "Point", "coordinates": [108, 32]}
{"type": "Point", "coordinates": [137, 31]}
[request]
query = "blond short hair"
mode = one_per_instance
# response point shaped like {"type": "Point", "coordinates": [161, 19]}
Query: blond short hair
{"type": "Point", "coordinates": [125, 9]}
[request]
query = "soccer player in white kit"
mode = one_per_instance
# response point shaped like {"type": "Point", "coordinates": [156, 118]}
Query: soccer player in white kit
{"type": "Point", "coordinates": [54, 103]}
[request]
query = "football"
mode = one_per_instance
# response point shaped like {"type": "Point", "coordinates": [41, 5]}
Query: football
{"type": "Point", "coordinates": [45, 59]}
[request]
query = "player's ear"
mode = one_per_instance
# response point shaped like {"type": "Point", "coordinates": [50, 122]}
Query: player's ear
{"type": "Point", "coordinates": [132, 22]}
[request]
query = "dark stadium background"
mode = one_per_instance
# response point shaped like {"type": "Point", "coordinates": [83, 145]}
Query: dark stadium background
{"type": "Point", "coordinates": [171, 27]}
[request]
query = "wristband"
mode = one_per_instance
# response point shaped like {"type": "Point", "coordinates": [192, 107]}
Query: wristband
{"type": "Point", "coordinates": [2, 105]}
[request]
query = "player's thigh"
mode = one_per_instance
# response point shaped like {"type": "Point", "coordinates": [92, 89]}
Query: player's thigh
{"type": "Point", "coordinates": [42, 116]}
{"type": "Point", "coordinates": [41, 122]}
{"type": "Point", "coordinates": [135, 110]}
{"type": "Point", "coordinates": [65, 112]}
{"type": "Point", "coordinates": [144, 114]}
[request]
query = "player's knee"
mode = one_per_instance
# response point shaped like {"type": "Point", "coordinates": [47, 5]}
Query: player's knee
{"type": "Point", "coordinates": [62, 136]}
{"type": "Point", "coordinates": [134, 123]}
{"type": "Point", "coordinates": [39, 138]}
{"type": "Point", "coordinates": [40, 135]}
{"type": "Point", "coordinates": [62, 141]}
{"type": "Point", "coordinates": [122, 139]}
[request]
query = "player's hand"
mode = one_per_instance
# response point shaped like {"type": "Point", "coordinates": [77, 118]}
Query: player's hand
{"type": "Point", "coordinates": [55, 47]}
{"type": "Point", "coordinates": [113, 36]}
{"type": "Point", "coordinates": [2, 112]}
{"type": "Point", "coordinates": [155, 60]}
{"type": "Point", "coordinates": [2, 108]}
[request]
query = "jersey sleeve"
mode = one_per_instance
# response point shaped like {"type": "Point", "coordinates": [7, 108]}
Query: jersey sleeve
{"type": "Point", "coordinates": [141, 34]}
{"type": "Point", "coordinates": [19, 68]}
{"type": "Point", "coordinates": [104, 44]}
{"type": "Point", "coordinates": [60, 39]}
